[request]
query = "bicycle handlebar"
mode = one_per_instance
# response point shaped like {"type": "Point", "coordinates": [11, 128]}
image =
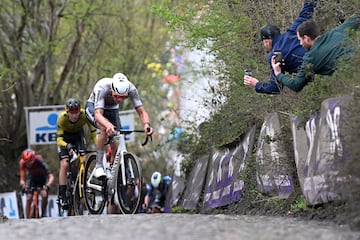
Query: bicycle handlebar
{"type": "Point", "coordinates": [76, 153]}
{"type": "Point", "coordinates": [125, 132]}
{"type": "Point", "coordinates": [27, 190]}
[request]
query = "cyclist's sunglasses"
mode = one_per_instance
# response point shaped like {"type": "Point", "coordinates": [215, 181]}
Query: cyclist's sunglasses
{"type": "Point", "coordinates": [73, 111]}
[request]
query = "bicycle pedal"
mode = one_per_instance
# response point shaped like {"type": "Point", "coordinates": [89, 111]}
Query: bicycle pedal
{"type": "Point", "coordinates": [102, 178]}
{"type": "Point", "coordinates": [65, 207]}
{"type": "Point", "coordinates": [108, 173]}
{"type": "Point", "coordinates": [130, 181]}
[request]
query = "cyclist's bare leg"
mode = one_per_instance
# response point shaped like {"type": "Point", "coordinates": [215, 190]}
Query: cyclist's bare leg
{"type": "Point", "coordinates": [100, 146]}
{"type": "Point", "coordinates": [114, 146]}
{"type": "Point", "coordinates": [44, 202]}
{"type": "Point", "coordinates": [62, 171]}
{"type": "Point", "coordinates": [64, 165]}
{"type": "Point", "coordinates": [155, 210]}
{"type": "Point", "coordinates": [29, 198]}
{"type": "Point", "coordinates": [112, 209]}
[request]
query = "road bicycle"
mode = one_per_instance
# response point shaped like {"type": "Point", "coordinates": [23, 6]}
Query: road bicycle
{"type": "Point", "coordinates": [123, 185]}
{"type": "Point", "coordinates": [74, 186]}
{"type": "Point", "coordinates": [34, 207]}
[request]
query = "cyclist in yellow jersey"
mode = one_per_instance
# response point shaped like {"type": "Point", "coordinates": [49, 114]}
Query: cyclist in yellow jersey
{"type": "Point", "coordinates": [70, 136]}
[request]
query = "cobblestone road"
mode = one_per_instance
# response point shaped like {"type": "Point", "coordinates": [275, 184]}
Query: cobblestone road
{"type": "Point", "coordinates": [172, 227]}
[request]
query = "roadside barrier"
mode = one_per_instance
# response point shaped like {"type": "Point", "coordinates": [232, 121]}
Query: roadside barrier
{"type": "Point", "coordinates": [319, 153]}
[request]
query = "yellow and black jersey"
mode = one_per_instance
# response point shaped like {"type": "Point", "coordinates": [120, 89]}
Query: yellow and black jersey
{"type": "Point", "coordinates": [64, 126]}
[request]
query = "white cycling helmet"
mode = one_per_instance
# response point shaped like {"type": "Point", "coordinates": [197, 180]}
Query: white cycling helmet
{"type": "Point", "coordinates": [120, 84]}
{"type": "Point", "coordinates": [155, 179]}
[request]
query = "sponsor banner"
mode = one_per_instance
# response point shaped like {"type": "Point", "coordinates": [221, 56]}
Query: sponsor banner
{"type": "Point", "coordinates": [41, 123]}
{"type": "Point", "coordinates": [176, 188]}
{"type": "Point", "coordinates": [42, 127]}
{"type": "Point", "coordinates": [223, 185]}
{"type": "Point", "coordinates": [9, 205]}
{"type": "Point", "coordinates": [195, 183]}
{"type": "Point", "coordinates": [319, 152]}
{"type": "Point", "coordinates": [301, 151]}
{"type": "Point", "coordinates": [128, 123]}
{"type": "Point", "coordinates": [52, 207]}
{"type": "Point", "coordinates": [272, 163]}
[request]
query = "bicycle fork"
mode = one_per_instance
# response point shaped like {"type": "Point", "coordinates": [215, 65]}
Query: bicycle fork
{"type": "Point", "coordinates": [36, 204]}
{"type": "Point", "coordinates": [33, 211]}
{"type": "Point", "coordinates": [80, 176]}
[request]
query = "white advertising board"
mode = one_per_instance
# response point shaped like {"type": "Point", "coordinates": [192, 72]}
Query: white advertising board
{"type": "Point", "coordinates": [41, 124]}
{"type": "Point", "coordinates": [8, 205]}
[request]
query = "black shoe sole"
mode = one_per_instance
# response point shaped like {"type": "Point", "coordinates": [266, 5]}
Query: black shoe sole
{"type": "Point", "coordinates": [102, 178]}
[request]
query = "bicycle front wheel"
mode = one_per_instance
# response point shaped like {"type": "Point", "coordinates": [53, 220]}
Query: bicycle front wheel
{"type": "Point", "coordinates": [78, 202]}
{"type": "Point", "coordinates": [94, 189]}
{"type": "Point", "coordinates": [128, 185]}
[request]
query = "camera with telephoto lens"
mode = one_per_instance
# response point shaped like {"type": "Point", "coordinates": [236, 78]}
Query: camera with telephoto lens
{"type": "Point", "coordinates": [278, 55]}
{"type": "Point", "coordinates": [248, 72]}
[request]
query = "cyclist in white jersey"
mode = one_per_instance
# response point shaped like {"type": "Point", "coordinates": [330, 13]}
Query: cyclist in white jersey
{"type": "Point", "coordinates": [102, 109]}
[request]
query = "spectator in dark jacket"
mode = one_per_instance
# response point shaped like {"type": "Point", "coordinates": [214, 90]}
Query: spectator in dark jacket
{"type": "Point", "coordinates": [291, 50]}
{"type": "Point", "coordinates": [323, 51]}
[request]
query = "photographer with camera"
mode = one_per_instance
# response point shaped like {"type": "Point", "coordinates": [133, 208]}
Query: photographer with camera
{"type": "Point", "coordinates": [286, 47]}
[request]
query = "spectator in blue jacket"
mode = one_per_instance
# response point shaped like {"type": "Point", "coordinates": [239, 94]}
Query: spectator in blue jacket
{"type": "Point", "coordinates": [289, 45]}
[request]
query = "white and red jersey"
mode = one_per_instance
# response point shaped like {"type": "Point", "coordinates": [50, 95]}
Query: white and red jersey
{"type": "Point", "coordinates": [101, 95]}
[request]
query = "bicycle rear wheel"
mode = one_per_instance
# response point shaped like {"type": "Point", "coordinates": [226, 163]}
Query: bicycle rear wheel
{"type": "Point", "coordinates": [94, 189]}
{"type": "Point", "coordinates": [128, 193]}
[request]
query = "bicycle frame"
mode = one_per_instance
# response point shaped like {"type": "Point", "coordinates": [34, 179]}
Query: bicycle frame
{"type": "Point", "coordinates": [119, 157]}
{"type": "Point", "coordinates": [92, 185]}
{"type": "Point", "coordinates": [79, 177]}
{"type": "Point", "coordinates": [124, 179]}
{"type": "Point", "coordinates": [75, 187]}
{"type": "Point", "coordinates": [120, 153]}
{"type": "Point", "coordinates": [35, 203]}
{"type": "Point", "coordinates": [69, 188]}
{"type": "Point", "coordinates": [34, 207]}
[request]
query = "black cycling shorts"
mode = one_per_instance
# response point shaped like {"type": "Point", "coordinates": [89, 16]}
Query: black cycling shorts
{"type": "Point", "coordinates": [35, 182]}
{"type": "Point", "coordinates": [77, 140]}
